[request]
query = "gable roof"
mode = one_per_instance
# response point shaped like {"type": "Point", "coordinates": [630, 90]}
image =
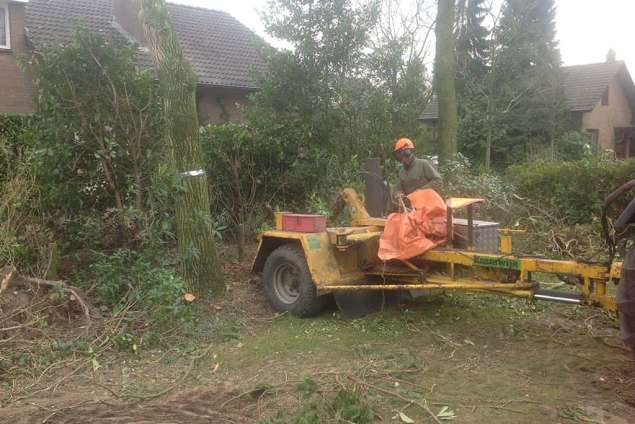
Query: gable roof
{"type": "Point", "coordinates": [584, 86]}
{"type": "Point", "coordinates": [221, 50]}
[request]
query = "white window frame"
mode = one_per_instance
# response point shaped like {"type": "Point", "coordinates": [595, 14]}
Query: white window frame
{"type": "Point", "coordinates": [7, 24]}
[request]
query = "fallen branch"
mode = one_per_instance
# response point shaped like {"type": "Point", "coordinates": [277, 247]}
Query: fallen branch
{"type": "Point", "coordinates": [65, 409]}
{"type": "Point", "coordinates": [6, 280]}
{"type": "Point", "coordinates": [74, 292]}
{"type": "Point", "coordinates": [397, 395]}
{"type": "Point", "coordinates": [141, 398]}
{"type": "Point", "coordinates": [12, 277]}
{"type": "Point", "coordinates": [16, 327]}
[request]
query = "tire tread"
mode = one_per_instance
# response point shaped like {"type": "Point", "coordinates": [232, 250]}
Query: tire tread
{"type": "Point", "coordinates": [309, 303]}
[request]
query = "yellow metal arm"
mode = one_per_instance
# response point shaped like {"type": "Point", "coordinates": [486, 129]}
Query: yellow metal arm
{"type": "Point", "coordinates": [359, 215]}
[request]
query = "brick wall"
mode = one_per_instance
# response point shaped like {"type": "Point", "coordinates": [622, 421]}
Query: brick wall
{"type": "Point", "coordinates": [16, 92]}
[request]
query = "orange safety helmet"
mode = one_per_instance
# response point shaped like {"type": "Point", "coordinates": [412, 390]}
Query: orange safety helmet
{"type": "Point", "coordinates": [404, 143]}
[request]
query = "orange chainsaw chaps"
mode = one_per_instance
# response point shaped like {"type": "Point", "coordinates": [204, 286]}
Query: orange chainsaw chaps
{"type": "Point", "coordinates": [413, 233]}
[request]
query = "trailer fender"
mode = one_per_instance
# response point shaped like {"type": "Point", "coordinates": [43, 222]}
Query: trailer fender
{"type": "Point", "coordinates": [266, 246]}
{"type": "Point", "coordinates": [324, 266]}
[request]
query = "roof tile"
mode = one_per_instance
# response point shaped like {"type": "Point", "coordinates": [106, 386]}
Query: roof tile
{"type": "Point", "coordinates": [222, 50]}
{"type": "Point", "coordinates": [584, 86]}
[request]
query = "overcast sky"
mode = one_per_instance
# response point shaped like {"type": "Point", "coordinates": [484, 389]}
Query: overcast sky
{"type": "Point", "coordinates": [587, 29]}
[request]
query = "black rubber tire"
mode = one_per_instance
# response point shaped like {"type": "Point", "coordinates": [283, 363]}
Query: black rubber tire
{"type": "Point", "coordinates": [308, 303]}
{"type": "Point", "coordinates": [626, 301]}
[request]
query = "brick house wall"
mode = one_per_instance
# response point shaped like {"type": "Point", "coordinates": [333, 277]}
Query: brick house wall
{"type": "Point", "coordinates": [16, 90]}
{"type": "Point", "coordinates": [216, 104]}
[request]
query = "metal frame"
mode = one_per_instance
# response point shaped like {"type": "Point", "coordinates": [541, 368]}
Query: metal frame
{"type": "Point", "coordinates": [7, 22]}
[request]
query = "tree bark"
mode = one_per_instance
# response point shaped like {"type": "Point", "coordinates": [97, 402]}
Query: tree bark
{"type": "Point", "coordinates": [445, 80]}
{"type": "Point", "coordinates": [199, 264]}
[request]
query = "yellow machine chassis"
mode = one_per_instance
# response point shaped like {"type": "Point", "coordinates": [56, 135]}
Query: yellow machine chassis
{"type": "Point", "coordinates": [345, 258]}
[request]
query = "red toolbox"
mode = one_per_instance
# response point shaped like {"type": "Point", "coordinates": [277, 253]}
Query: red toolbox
{"type": "Point", "coordinates": [303, 223]}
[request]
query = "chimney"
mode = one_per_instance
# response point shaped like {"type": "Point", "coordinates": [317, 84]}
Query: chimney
{"type": "Point", "coordinates": [611, 56]}
{"type": "Point", "coordinates": [126, 17]}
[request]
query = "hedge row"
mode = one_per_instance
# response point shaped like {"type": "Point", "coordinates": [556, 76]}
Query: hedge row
{"type": "Point", "coordinates": [575, 191]}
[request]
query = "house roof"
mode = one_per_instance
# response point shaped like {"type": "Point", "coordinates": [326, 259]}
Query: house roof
{"type": "Point", "coordinates": [222, 50]}
{"type": "Point", "coordinates": [584, 86]}
{"type": "Point", "coordinates": [431, 112]}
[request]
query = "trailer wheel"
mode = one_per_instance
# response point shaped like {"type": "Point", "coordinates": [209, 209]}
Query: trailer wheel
{"type": "Point", "coordinates": [288, 284]}
{"type": "Point", "coordinates": [626, 301]}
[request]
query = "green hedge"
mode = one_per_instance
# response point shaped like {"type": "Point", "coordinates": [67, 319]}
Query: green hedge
{"type": "Point", "coordinates": [575, 191]}
{"type": "Point", "coordinates": [12, 126]}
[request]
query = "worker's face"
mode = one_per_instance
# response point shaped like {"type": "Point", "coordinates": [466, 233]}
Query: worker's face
{"type": "Point", "coordinates": [405, 156]}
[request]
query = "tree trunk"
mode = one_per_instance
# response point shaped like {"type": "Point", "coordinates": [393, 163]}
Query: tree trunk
{"type": "Point", "coordinates": [199, 264]}
{"type": "Point", "coordinates": [241, 239]}
{"type": "Point", "coordinates": [488, 145]}
{"type": "Point", "coordinates": [490, 134]}
{"type": "Point", "coordinates": [445, 80]}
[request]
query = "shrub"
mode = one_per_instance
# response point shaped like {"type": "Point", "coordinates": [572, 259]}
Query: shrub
{"type": "Point", "coordinates": [461, 180]}
{"type": "Point", "coordinates": [98, 124]}
{"type": "Point", "coordinates": [153, 288]}
{"type": "Point", "coordinates": [574, 145]}
{"type": "Point", "coordinates": [573, 191]}
{"type": "Point", "coordinates": [253, 172]}
{"type": "Point", "coordinates": [24, 239]}
{"type": "Point", "coordinates": [245, 176]}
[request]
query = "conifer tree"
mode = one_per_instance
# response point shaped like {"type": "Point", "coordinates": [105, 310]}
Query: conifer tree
{"type": "Point", "coordinates": [527, 75]}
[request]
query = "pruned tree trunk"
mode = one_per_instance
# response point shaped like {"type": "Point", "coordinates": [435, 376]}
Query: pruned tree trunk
{"type": "Point", "coordinates": [445, 80]}
{"type": "Point", "coordinates": [200, 267]}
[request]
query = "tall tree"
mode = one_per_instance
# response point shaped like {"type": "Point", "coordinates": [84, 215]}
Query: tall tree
{"type": "Point", "coordinates": [528, 76]}
{"type": "Point", "coordinates": [445, 79]}
{"type": "Point", "coordinates": [397, 62]}
{"type": "Point", "coordinates": [312, 84]}
{"type": "Point", "coordinates": [199, 264]}
{"type": "Point", "coordinates": [473, 65]}
{"type": "Point", "coordinates": [472, 39]}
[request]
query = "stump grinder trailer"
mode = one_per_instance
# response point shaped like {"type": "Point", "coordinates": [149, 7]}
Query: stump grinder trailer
{"type": "Point", "coordinates": [302, 263]}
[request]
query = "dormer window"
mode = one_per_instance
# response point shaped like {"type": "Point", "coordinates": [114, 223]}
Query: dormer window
{"type": "Point", "coordinates": [5, 35]}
